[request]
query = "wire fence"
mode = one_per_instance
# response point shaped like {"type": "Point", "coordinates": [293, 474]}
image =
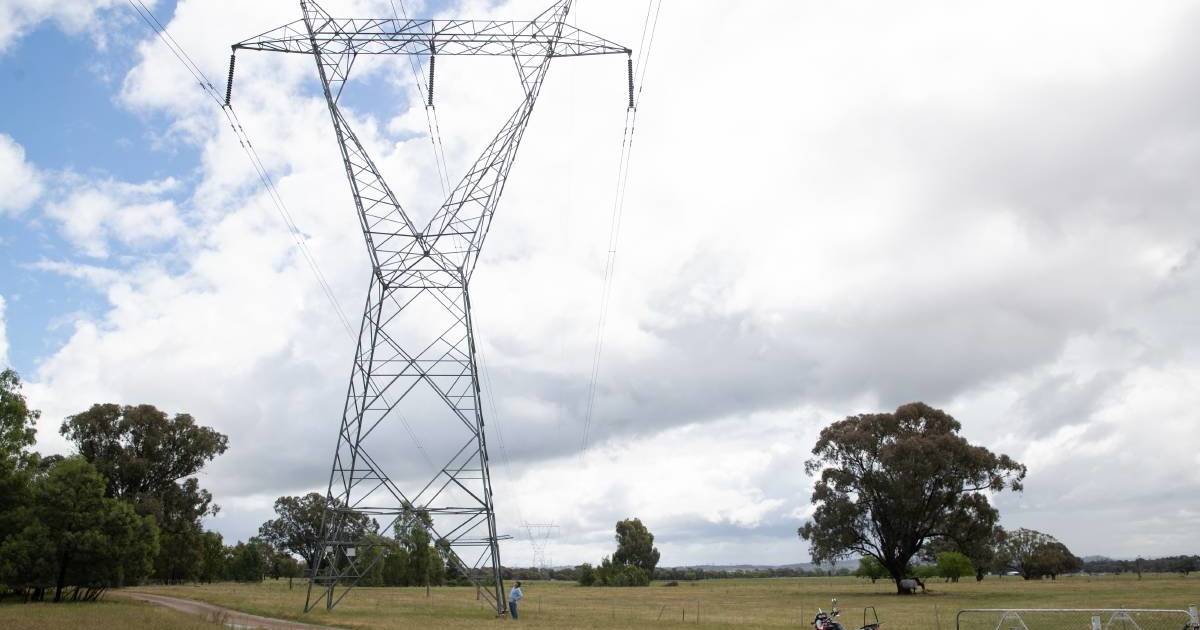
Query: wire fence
{"type": "Point", "coordinates": [1077, 619]}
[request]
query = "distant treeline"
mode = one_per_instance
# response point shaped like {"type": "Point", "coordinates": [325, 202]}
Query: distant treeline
{"type": "Point", "coordinates": [678, 574]}
{"type": "Point", "coordinates": [696, 573]}
{"type": "Point", "coordinates": [1169, 564]}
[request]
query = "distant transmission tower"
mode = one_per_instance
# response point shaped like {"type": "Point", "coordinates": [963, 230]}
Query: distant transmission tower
{"type": "Point", "coordinates": [539, 540]}
{"type": "Point", "coordinates": [416, 362]}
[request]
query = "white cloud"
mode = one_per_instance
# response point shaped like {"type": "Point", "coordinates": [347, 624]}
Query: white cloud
{"type": "Point", "coordinates": [696, 487]}
{"type": "Point", "coordinates": [94, 213]}
{"type": "Point", "coordinates": [19, 16]}
{"type": "Point", "coordinates": [3, 336]}
{"type": "Point", "coordinates": [946, 203]}
{"type": "Point", "coordinates": [20, 182]}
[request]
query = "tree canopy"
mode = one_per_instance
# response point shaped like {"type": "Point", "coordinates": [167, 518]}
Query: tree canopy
{"type": "Point", "coordinates": [1034, 554]}
{"type": "Point", "coordinates": [632, 564]}
{"type": "Point", "coordinates": [149, 459]}
{"type": "Point", "coordinates": [249, 561]}
{"type": "Point", "coordinates": [18, 423]}
{"type": "Point", "coordinates": [953, 565]}
{"type": "Point", "coordinates": [18, 431]}
{"type": "Point", "coordinates": [979, 543]}
{"type": "Point", "coordinates": [869, 567]}
{"type": "Point", "coordinates": [139, 449]}
{"type": "Point", "coordinates": [889, 482]}
{"type": "Point", "coordinates": [77, 537]}
{"type": "Point", "coordinates": [635, 546]}
{"type": "Point", "coordinates": [297, 526]}
{"type": "Point", "coordinates": [126, 505]}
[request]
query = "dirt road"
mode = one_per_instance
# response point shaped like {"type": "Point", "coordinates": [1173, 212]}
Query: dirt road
{"type": "Point", "coordinates": [229, 617]}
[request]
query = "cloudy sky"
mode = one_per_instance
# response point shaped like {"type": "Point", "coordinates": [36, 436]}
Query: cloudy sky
{"type": "Point", "coordinates": [833, 208]}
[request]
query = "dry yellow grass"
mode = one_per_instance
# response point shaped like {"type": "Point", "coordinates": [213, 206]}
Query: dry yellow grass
{"type": "Point", "coordinates": [103, 615]}
{"type": "Point", "coordinates": [709, 604]}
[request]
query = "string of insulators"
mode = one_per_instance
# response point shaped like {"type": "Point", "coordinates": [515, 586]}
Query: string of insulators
{"type": "Point", "coordinates": [630, 82]}
{"type": "Point", "coordinates": [432, 59]}
{"type": "Point", "coordinates": [229, 84]}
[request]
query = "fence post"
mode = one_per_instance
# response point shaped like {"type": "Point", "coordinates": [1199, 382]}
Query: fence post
{"type": "Point", "coordinates": [1194, 615]}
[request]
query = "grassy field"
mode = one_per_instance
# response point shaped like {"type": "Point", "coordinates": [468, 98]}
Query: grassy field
{"type": "Point", "coordinates": [708, 604]}
{"type": "Point", "coordinates": [105, 615]}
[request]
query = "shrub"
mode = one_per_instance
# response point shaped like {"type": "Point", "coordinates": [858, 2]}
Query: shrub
{"type": "Point", "coordinates": [587, 575]}
{"type": "Point", "coordinates": [630, 575]}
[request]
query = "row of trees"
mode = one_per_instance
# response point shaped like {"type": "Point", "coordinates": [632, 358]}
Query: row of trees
{"type": "Point", "coordinates": [1029, 553]}
{"type": "Point", "coordinates": [1170, 564]}
{"type": "Point", "coordinates": [63, 533]}
{"type": "Point", "coordinates": [688, 574]}
{"type": "Point", "coordinates": [409, 557]}
{"type": "Point", "coordinates": [126, 508]}
{"type": "Point", "coordinates": [1033, 554]}
{"type": "Point", "coordinates": [252, 561]}
{"type": "Point", "coordinates": [62, 528]}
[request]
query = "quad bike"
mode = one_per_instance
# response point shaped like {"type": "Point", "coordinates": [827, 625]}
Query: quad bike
{"type": "Point", "coordinates": [829, 620]}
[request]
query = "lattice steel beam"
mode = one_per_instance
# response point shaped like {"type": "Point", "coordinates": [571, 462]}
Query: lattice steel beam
{"type": "Point", "coordinates": [442, 37]}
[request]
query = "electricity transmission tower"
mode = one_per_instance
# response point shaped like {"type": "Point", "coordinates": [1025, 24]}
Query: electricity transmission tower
{"type": "Point", "coordinates": [415, 363]}
{"type": "Point", "coordinates": [539, 539]}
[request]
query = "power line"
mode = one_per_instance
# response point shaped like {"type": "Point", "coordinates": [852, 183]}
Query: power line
{"type": "Point", "coordinates": [268, 183]}
{"type": "Point", "coordinates": [431, 120]}
{"type": "Point", "coordinates": [177, 50]}
{"type": "Point", "coordinates": [649, 26]}
{"type": "Point", "coordinates": [488, 388]}
{"type": "Point", "coordinates": [239, 131]}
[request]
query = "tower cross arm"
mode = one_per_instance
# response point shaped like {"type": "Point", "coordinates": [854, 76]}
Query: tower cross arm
{"type": "Point", "coordinates": [540, 38]}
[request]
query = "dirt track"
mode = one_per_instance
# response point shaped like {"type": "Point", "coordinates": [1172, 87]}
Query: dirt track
{"type": "Point", "coordinates": [229, 617]}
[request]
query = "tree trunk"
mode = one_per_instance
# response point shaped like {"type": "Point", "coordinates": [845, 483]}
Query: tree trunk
{"type": "Point", "coordinates": [62, 578]}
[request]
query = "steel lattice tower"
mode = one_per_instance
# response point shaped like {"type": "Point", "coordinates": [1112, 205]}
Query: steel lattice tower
{"type": "Point", "coordinates": [416, 361]}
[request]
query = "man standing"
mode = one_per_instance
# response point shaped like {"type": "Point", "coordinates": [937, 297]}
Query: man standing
{"type": "Point", "coordinates": [514, 596]}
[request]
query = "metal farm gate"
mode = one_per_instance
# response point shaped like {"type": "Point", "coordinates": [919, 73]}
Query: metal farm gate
{"type": "Point", "coordinates": [1077, 619]}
